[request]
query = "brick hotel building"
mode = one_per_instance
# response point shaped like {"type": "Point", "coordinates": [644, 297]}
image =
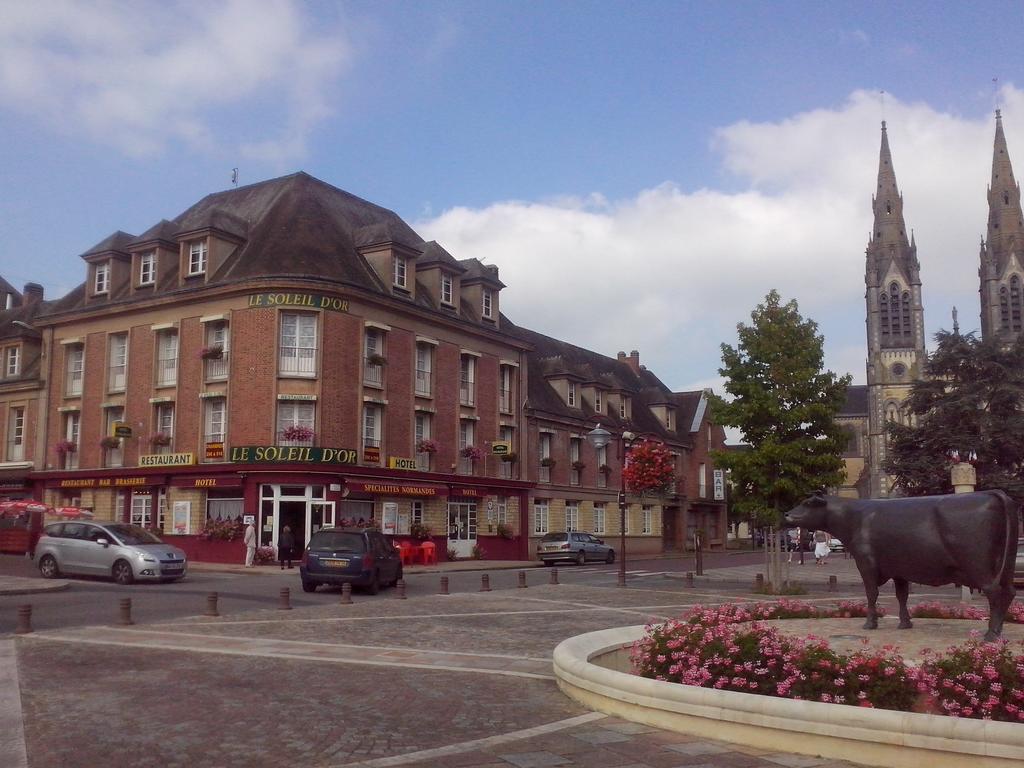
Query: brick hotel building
{"type": "Point", "coordinates": [284, 349]}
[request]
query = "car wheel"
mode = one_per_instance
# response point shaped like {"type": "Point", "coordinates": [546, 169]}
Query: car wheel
{"type": "Point", "coordinates": [548, 563]}
{"type": "Point", "coordinates": [399, 574]}
{"type": "Point", "coordinates": [610, 557]}
{"type": "Point", "coordinates": [122, 572]}
{"type": "Point", "coordinates": [374, 586]}
{"type": "Point", "coordinates": [309, 586]}
{"type": "Point", "coordinates": [48, 567]}
{"type": "Point", "coordinates": [581, 558]}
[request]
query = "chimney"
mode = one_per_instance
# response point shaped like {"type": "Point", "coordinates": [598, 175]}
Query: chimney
{"type": "Point", "coordinates": [634, 361]}
{"type": "Point", "coordinates": [32, 294]}
{"type": "Point", "coordinates": [621, 357]}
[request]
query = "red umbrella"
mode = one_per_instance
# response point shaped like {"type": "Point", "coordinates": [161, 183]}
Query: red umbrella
{"type": "Point", "coordinates": [21, 507]}
{"type": "Point", "coordinates": [73, 512]}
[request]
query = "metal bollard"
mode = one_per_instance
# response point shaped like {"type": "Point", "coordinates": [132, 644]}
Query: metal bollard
{"type": "Point", "coordinates": [444, 586]}
{"type": "Point", "coordinates": [24, 620]}
{"type": "Point", "coordinates": [759, 583]}
{"type": "Point", "coordinates": [346, 594]}
{"type": "Point", "coordinates": [522, 579]}
{"type": "Point", "coordinates": [400, 585]}
{"type": "Point", "coordinates": [126, 611]}
{"type": "Point", "coordinates": [211, 605]}
{"type": "Point", "coordinates": [285, 600]}
{"type": "Point", "coordinates": [554, 575]}
{"type": "Point", "coordinates": [833, 583]}
{"type": "Point", "coordinates": [689, 579]}
{"type": "Point", "coordinates": [485, 583]}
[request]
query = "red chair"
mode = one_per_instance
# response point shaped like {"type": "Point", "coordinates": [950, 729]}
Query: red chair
{"type": "Point", "coordinates": [429, 551]}
{"type": "Point", "coordinates": [405, 552]}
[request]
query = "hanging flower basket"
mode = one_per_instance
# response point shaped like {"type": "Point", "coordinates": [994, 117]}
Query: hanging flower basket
{"type": "Point", "coordinates": [160, 439]}
{"type": "Point", "coordinates": [509, 457]}
{"type": "Point", "coordinates": [376, 359]}
{"type": "Point", "coordinates": [66, 446]}
{"type": "Point", "coordinates": [604, 469]}
{"type": "Point", "coordinates": [578, 465]}
{"type": "Point", "coordinates": [547, 461]}
{"type": "Point", "coordinates": [215, 352]}
{"type": "Point", "coordinates": [650, 468]}
{"type": "Point", "coordinates": [472, 453]}
{"type": "Point", "coordinates": [109, 443]}
{"type": "Point", "coordinates": [298, 433]}
{"type": "Point", "coordinates": [426, 446]}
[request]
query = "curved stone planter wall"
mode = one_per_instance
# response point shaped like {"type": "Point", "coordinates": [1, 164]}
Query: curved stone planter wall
{"type": "Point", "coordinates": [592, 669]}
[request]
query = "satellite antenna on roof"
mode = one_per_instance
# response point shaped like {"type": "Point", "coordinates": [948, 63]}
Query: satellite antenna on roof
{"type": "Point", "coordinates": [234, 177]}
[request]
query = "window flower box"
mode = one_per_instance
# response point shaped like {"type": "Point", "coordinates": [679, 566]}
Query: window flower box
{"type": "Point", "coordinates": [215, 352]}
{"type": "Point", "coordinates": [298, 433]}
{"type": "Point", "coordinates": [110, 443]}
{"type": "Point", "coordinates": [604, 469]}
{"type": "Point", "coordinates": [578, 465]}
{"type": "Point", "coordinates": [376, 359]}
{"type": "Point", "coordinates": [472, 453]}
{"type": "Point", "coordinates": [160, 439]}
{"type": "Point", "coordinates": [426, 446]}
{"type": "Point", "coordinates": [510, 457]}
{"type": "Point", "coordinates": [65, 447]}
{"type": "Point", "coordinates": [547, 461]}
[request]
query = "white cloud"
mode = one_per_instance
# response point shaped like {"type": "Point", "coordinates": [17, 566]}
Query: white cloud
{"type": "Point", "coordinates": [139, 75]}
{"type": "Point", "coordinates": [671, 272]}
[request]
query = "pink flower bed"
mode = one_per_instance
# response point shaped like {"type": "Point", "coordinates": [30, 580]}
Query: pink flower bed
{"type": "Point", "coordinates": [729, 647]}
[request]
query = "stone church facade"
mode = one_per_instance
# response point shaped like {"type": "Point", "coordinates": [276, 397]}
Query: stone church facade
{"type": "Point", "coordinates": [895, 312]}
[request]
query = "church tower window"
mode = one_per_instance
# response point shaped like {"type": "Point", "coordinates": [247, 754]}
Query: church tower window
{"type": "Point", "coordinates": [1015, 303]}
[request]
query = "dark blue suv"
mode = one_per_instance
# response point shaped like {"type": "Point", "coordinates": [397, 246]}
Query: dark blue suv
{"type": "Point", "coordinates": [359, 556]}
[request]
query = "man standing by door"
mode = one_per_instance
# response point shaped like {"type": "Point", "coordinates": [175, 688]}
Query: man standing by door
{"type": "Point", "coordinates": [284, 546]}
{"type": "Point", "coordinates": [250, 544]}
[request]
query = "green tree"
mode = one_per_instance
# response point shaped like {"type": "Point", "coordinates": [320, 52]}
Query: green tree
{"type": "Point", "coordinates": [971, 399]}
{"type": "Point", "coordinates": [785, 405]}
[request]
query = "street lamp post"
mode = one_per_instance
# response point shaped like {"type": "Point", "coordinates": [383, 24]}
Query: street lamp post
{"type": "Point", "coordinates": [599, 438]}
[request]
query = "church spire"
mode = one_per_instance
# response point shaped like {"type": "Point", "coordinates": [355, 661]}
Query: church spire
{"type": "Point", "coordinates": [888, 202]}
{"type": "Point", "coordinates": [1005, 219]}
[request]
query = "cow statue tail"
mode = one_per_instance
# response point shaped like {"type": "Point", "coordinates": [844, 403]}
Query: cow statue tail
{"type": "Point", "coordinates": [1010, 511]}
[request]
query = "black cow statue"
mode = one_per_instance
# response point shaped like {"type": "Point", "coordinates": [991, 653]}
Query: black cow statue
{"type": "Point", "coordinates": [967, 538]}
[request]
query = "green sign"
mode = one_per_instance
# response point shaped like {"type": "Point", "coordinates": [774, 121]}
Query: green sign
{"type": "Point", "coordinates": [298, 300]}
{"type": "Point", "coordinates": [501, 447]}
{"type": "Point", "coordinates": [288, 454]}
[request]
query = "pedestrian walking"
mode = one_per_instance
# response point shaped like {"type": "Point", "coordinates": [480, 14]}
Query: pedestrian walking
{"type": "Point", "coordinates": [250, 545]}
{"type": "Point", "coordinates": [821, 549]}
{"type": "Point", "coordinates": [284, 546]}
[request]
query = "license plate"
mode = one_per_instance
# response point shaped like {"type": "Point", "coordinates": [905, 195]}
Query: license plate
{"type": "Point", "coordinates": [335, 563]}
{"type": "Point", "coordinates": [173, 568]}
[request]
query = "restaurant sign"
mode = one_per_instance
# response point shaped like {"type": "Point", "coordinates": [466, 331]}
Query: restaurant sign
{"type": "Point", "coordinates": [386, 488]}
{"type": "Point", "coordinates": [104, 482]}
{"type": "Point", "coordinates": [215, 450]}
{"type": "Point", "coordinates": [302, 299]}
{"type": "Point", "coordinates": [501, 447]}
{"type": "Point", "coordinates": [167, 460]}
{"type": "Point", "coordinates": [286, 454]}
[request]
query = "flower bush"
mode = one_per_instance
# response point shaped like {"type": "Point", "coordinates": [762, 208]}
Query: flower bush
{"type": "Point", "coordinates": [649, 468]}
{"type": "Point", "coordinates": [66, 446]}
{"type": "Point", "coordinates": [220, 529]}
{"type": "Point", "coordinates": [376, 359]}
{"type": "Point", "coordinates": [419, 531]}
{"type": "Point", "coordinates": [937, 610]}
{"type": "Point", "coordinates": [504, 530]}
{"type": "Point", "coordinates": [298, 432]}
{"type": "Point", "coordinates": [472, 453]}
{"type": "Point", "coordinates": [477, 553]}
{"type": "Point", "coordinates": [730, 647]}
{"type": "Point", "coordinates": [264, 554]}
{"type": "Point", "coordinates": [160, 439]}
{"type": "Point", "coordinates": [426, 446]}
{"type": "Point", "coordinates": [109, 443]}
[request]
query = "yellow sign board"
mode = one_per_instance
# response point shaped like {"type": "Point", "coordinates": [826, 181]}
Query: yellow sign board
{"type": "Point", "coordinates": [120, 429]}
{"type": "Point", "coordinates": [501, 447]}
{"type": "Point", "coordinates": [400, 462]}
{"type": "Point", "coordinates": [167, 460]}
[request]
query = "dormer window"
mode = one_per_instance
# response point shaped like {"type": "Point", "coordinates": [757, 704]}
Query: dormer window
{"type": "Point", "coordinates": [571, 396]}
{"type": "Point", "coordinates": [147, 268]}
{"type": "Point", "coordinates": [446, 289]}
{"type": "Point", "coordinates": [197, 254]}
{"type": "Point", "coordinates": [624, 407]}
{"type": "Point", "coordinates": [598, 405]}
{"type": "Point", "coordinates": [102, 281]}
{"type": "Point", "coordinates": [488, 306]}
{"type": "Point", "coordinates": [670, 422]}
{"type": "Point", "coordinates": [398, 271]}
{"type": "Point", "coordinates": [12, 362]}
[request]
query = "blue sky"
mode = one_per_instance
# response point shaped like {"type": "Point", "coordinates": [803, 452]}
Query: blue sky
{"type": "Point", "coordinates": [667, 162]}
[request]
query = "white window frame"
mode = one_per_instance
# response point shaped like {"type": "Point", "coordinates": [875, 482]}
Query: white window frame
{"type": "Point", "coordinates": [506, 434]}
{"type": "Point", "coordinates": [602, 460]}
{"type": "Point", "coordinates": [467, 380]}
{"type": "Point", "coordinates": [198, 254]}
{"type": "Point", "coordinates": [487, 304]}
{"type": "Point", "coordinates": [597, 401]}
{"type": "Point", "coordinates": [164, 425]}
{"type": "Point", "coordinates": [373, 344]}
{"type": "Point", "coordinates": [399, 268]}
{"type": "Point", "coordinates": [447, 288]}
{"type": "Point", "coordinates": [16, 434]}
{"type": "Point", "coordinates": [505, 389]}
{"type": "Point", "coordinates": [101, 278]}
{"type": "Point", "coordinates": [541, 516]}
{"type": "Point", "coordinates": [12, 362]}
{"type": "Point", "coordinates": [622, 408]}
{"type": "Point", "coordinates": [572, 516]}
{"type": "Point", "coordinates": [647, 522]}
{"type": "Point", "coordinates": [295, 413]}
{"type": "Point", "coordinates": [599, 517]}
{"type": "Point", "coordinates": [72, 433]}
{"type": "Point", "coordinates": [575, 475]}
{"type": "Point", "coordinates": [424, 364]}
{"type": "Point", "coordinates": [115, 456]}
{"type": "Point", "coordinates": [570, 396]}
{"type": "Point", "coordinates": [215, 422]}
{"type": "Point", "coordinates": [467, 438]}
{"type": "Point", "coordinates": [702, 481]}
{"type": "Point", "coordinates": [117, 363]}
{"type": "Point", "coordinates": [501, 510]}
{"type": "Point", "coordinates": [74, 369]}
{"type": "Point", "coordinates": [142, 510]}
{"type": "Point", "coordinates": [373, 426]}
{"type": "Point", "coordinates": [218, 335]}
{"type": "Point", "coordinates": [297, 344]}
{"type": "Point", "coordinates": [421, 431]}
{"type": "Point", "coordinates": [167, 358]}
{"type": "Point", "coordinates": [416, 512]}
{"type": "Point", "coordinates": [147, 268]}
{"type": "Point", "coordinates": [625, 518]}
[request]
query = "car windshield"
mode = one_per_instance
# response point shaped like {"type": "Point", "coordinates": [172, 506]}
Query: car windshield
{"type": "Point", "coordinates": [338, 541]}
{"type": "Point", "coordinates": [554, 537]}
{"type": "Point", "coordinates": [133, 534]}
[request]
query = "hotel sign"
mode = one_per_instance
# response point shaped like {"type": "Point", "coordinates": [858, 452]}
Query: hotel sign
{"type": "Point", "coordinates": [287, 454]}
{"type": "Point", "coordinates": [167, 460]}
{"type": "Point", "coordinates": [301, 300]}
{"type": "Point", "coordinates": [401, 462]}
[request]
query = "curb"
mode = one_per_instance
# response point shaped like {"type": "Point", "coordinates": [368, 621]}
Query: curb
{"type": "Point", "coordinates": [57, 586]}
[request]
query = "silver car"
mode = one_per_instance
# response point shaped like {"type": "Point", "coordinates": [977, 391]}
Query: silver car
{"type": "Point", "coordinates": [115, 550]}
{"type": "Point", "coordinates": [573, 545]}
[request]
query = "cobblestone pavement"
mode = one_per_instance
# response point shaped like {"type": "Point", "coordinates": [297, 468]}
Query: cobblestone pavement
{"type": "Point", "coordinates": [433, 685]}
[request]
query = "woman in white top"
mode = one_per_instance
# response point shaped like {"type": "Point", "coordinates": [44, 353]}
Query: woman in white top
{"type": "Point", "coordinates": [821, 549]}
